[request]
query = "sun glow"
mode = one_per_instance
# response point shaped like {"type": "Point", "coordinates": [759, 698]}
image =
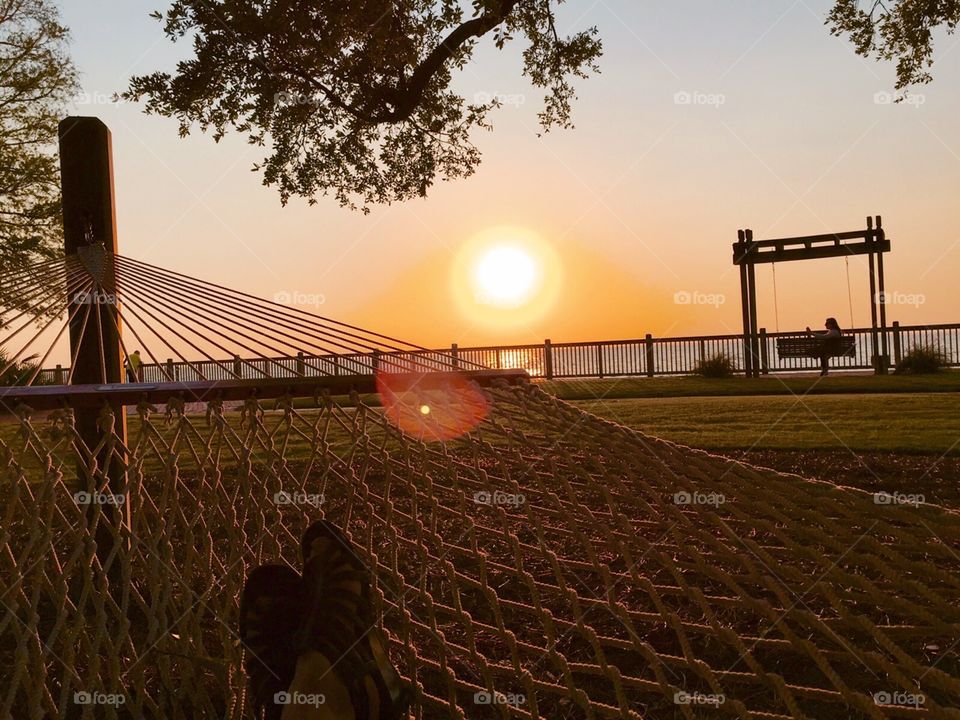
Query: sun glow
{"type": "Point", "coordinates": [505, 276]}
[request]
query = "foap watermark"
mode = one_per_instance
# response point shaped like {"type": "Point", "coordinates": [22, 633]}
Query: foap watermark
{"type": "Point", "coordinates": [897, 498]}
{"type": "Point", "coordinates": [695, 297]}
{"type": "Point", "coordinates": [695, 97]}
{"type": "Point", "coordinates": [498, 698]}
{"type": "Point", "coordinates": [885, 97]}
{"type": "Point", "coordinates": [292, 99]}
{"type": "Point", "coordinates": [297, 498]}
{"type": "Point", "coordinates": [699, 498]}
{"type": "Point", "coordinates": [296, 297]}
{"type": "Point", "coordinates": [98, 498]}
{"type": "Point", "coordinates": [499, 498]}
{"type": "Point", "coordinates": [511, 99]}
{"type": "Point", "coordinates": [95, 697]}
{"type": "Point", "coordinates": [98, 297]}
{"type": "Point", "coordinates": [299, 698]}
{"type": "Point", "coordinates": [98, 98]}
{"type": "Point", "coordinates": [895, 297]}
{"type": "Point", "coordinates": [899, 697]}
{"type": "Point", "coordinates": [698, 698]}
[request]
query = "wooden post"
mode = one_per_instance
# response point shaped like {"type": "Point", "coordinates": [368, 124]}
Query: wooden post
{"type": "Point", "coordinates": [237, 366]}
{"type": "Point", "coordinates": [745, 310]}
{"type": "Point", "coordinates": [881, 288]}
{"type": "Point", "coordinates": [896, 343]}
{"type": "Point", "coordinates": [301, 365]}
{"type": "Point", "coordinates": [455, 354]}
{"type": "Point", "coordinates": [764, 359]}
{"type": "Point", "coordinates": [754, 339]}
{"type": "Point", "coordinates": [649, 342]}
{"type": "Point", "coordinates": [548, 359]}
{"type": "Point", "coordinates": [58, 376]}
{"type": "Point", "coordinates": [600, 359]}
{"type": "Point", "coordinates": [90, 233]}
{"type": "Point", "coordinates": [170, 375]}
{"type": "Point", "coordinates": [874, 339]}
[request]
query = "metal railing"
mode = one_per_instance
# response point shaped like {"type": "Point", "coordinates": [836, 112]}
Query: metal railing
{"type": "Point", "coordinates": [648, 356]}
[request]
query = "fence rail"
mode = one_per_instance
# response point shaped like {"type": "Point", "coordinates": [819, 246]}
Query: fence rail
{"type": "Point", "coordinates": [648, 356]}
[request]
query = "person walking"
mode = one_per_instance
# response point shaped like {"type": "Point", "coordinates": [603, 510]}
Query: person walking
{"type": "Point", "coordinates": [134, 364]}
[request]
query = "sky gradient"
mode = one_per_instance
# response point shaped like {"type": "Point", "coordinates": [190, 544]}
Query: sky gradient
{"type": "Point", "coordinates": [707, 117]}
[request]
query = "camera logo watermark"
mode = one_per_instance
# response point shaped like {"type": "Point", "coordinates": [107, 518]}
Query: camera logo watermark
{"type": "Point", "coordinates": [895, 297]}
{"type": "Point", "coordinates": [93, 697]}
{"type": "Point", "coordinates": [695, 97]}
{"type": "Point", "coordinates": [697, 698]}
{"type": "Point", "coordinates": [299, 698]}
{"type": "Point", "coordinates": [898, 498]}
{"type": "Point", "coordinates": [98, 98]}
{"type": "Point", "coordinates": [695, 297]}
{"type": "Point", "coordinates": [498, 498]}
{"type": "Point", "coordinates": [899, 697]}
{"type": "Point", "coordinates": [292, 99]}
{"type": "Point", "coordinates": [498, 698]}
{"type": "Point", "coordinates": [511, 99]}
{"type": "Point", "coordinates": [297, 498]}
{"type": "Point", "coordinates": [296, 297]}
{"type": "Point", "coordinates": [95, 298]}
{"type": "Point", "coordinates": [97, 498]}
{"type": "Point", "coordinates": [699, 498]}
{"type": "Point", "coordinates": [885, 97]}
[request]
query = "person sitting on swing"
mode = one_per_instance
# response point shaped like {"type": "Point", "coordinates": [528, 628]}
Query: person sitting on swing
{"type": "Point", "coordinates": [829, 343]}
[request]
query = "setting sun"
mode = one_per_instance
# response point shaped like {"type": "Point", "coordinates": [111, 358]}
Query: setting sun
{"type": "Point", "coordinates": [506, 276]}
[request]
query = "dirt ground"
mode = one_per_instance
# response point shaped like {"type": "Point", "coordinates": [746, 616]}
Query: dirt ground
{"type": "Point", "coordinates": [936, 478]}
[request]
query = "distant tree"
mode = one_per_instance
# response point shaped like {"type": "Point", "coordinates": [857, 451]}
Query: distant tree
{"type": "Point", "coordinates": [353, 97]}
{"type": "Point", "coordinates": [898, 30]}
{"type": "Point", "coordinates": [36, 80]}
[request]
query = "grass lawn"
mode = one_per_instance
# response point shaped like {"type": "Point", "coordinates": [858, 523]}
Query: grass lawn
{"type": "Point", "coordinates": [693, 386]}
{"type": "Point", "coordinates": [916, 422]}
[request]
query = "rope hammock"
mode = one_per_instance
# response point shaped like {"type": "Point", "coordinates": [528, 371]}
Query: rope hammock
{"type": "Point", "coordinates": [540, 563]}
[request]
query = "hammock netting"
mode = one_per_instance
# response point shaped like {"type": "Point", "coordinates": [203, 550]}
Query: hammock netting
{"type": "Point", "coordinates": [541, 563]}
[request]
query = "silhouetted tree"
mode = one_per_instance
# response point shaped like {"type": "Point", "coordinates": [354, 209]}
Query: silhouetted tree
{"type": "Point", "coordinates": [36, 80]}
{"type": "Point", "coordinates": [898, 30]}
{"type": "Point", "coordinates": [353, 97]}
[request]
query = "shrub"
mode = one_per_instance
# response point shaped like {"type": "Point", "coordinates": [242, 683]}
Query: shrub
{"type": "Point", "coordinates": [18, 373]}
{"type": "Point", "coordinates": [719, 366]}
{"type": "Point", "coordinates": [921, 361]}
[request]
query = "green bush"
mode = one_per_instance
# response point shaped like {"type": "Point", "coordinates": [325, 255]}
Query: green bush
{"type": "Point", "coordinates": [18, 373]}
{"type": "Point", "coordinates": [719, 366]}
{"type": "Point", "coordinates": [922, 360]}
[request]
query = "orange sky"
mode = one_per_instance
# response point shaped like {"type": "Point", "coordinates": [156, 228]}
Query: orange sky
{"type": "Point", "coordinates": [640, 203]}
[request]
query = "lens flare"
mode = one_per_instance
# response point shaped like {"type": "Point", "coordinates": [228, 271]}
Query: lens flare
{"type": "Point", "coordinates": [431, 407]}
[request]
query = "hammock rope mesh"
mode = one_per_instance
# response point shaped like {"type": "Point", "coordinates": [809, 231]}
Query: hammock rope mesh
{"type": "Point", "coordinates": [543, 563]}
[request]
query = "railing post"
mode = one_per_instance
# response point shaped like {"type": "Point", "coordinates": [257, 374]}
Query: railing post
{"type": "Point", "coordinates": [301, 365]}
{"type": "Point", "coordinates": [649, 344]}
{"type": "Point", "coordinates": [703, 350]}
{"type": "Point", "coordinates": [336, 365]}
{"type": "Point", "coordinates": [58, 376]}
{"type": "Point", "coordinates": [376, 361]}
{"type": "Point", "coordinates": [600, 359]}
{"type": "Point", "coordinates": [455, 355]}
{"type": "Point", "coordinates": [896, 343]}
{"type": "Point", "coordinates": [237, 367]}
{"type": "Point", "coordinates": [170, 375]}
{"type": "Point", "coordinates": [764, 360]}
{"type": "Point", "coordinates": [548, 359]}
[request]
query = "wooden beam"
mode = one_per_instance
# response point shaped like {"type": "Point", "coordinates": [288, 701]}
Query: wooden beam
{"type": "Point", "coordinates": [46, 397]}
{"type": "Point", "coordinates": [753, 256]}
